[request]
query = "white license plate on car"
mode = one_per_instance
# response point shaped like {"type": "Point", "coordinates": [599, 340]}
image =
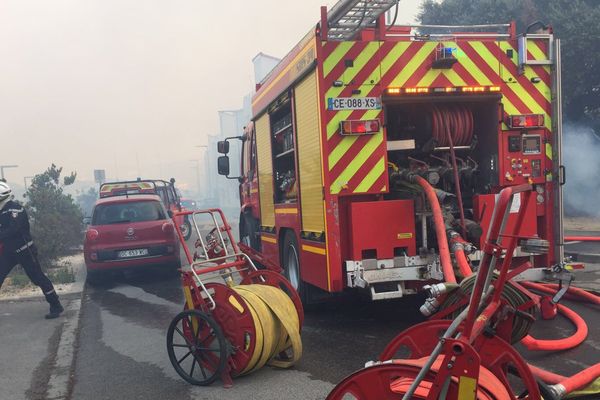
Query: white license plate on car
{"type": "Point", "coordinates": [132, 253]}
{"type": "Point", "coordinates": [353, 103]}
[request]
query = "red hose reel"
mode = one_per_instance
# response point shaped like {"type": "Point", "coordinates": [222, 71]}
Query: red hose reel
{"type": "Point", "coordinates": [458, 119]}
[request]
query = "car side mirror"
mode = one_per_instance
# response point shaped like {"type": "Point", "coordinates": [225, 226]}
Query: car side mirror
{"type": "Point", "coordinates": [87, 220]}
{"type": "Point", "coordinates": [223, 165]}
{"type": "Point", "coordinates": [223, 147]}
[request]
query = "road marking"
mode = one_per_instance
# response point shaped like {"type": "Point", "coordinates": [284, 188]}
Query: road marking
{"type": "Point", "coordinates": [58, 384]}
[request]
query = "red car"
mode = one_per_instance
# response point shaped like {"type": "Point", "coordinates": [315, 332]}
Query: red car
{"type": "Point", "coordinates": [130, 231]}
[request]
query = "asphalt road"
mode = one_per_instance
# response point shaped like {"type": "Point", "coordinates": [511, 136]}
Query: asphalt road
{"type": "Point", "coordinates": [122, 351]}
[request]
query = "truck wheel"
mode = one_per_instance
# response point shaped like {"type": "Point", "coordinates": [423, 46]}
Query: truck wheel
{"type": "Point", "coordinates": [249, 231]}
{"type": "Point", "coordinates": [291, 264]}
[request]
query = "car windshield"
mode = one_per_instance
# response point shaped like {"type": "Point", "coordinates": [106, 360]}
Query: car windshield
{"type": "Point", "coordinates": [132, 211]}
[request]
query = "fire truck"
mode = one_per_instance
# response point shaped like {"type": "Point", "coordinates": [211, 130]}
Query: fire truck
{"type": "Point", "coordinates": [376, 151]}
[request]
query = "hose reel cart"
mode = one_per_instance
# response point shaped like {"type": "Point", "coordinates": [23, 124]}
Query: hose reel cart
{"type": "Point", "coordinates": [236, 317]}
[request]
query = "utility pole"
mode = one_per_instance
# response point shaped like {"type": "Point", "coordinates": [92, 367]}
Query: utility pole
{"type": "Point", "coordinates": [2, 170]}
{"type": "Point", "coordinates": [205, 147]}
{"type": "Point", "coordinates": [25, 181]}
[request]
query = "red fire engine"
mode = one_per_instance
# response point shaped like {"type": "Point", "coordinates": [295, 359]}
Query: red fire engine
{"type": "Point", "coordinates": [375, 153]}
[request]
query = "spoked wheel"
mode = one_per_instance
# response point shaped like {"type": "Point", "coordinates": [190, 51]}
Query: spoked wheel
{"type": "Point", "coordinates": [197, 347]}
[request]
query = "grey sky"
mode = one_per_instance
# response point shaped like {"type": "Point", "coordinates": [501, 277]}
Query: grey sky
{"type": "Point", "coordinates": [115, 84]}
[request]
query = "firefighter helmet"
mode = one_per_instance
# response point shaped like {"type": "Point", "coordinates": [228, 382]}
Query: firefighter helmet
{"type": "Point", "coordinates": [5, 191]}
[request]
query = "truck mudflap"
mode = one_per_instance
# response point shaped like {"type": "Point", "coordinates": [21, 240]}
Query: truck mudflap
{"type": "Point", "coordinates": [385, 279]}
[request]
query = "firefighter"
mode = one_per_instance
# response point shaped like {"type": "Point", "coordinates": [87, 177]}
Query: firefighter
{"type": "Point", "coordinates": [16, 247]}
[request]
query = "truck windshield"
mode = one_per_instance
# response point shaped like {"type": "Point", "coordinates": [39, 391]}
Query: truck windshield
{"type": "Point", "coordinates": [133, 211]}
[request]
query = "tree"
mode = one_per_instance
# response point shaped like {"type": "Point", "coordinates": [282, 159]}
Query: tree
{"type": "Point", "coordinates": [575, 22]}
{"type": "Point", "coordinates": [56, 220]}
{"type": "Point", "coordinates": [86, 200]}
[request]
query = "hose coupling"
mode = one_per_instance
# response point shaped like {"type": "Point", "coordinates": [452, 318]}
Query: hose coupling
{"type": "Point", "coordinates": [436, 290]}
{"type": "Point", "coordinates": [430, 306]}
{"type": "Point", "coordinates": [558, 390]}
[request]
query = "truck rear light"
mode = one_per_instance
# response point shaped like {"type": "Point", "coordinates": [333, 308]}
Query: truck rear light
{"type": "Point", "coordinates": [92, 234]}
{"type": "Point", "coordinates": [359, 127]}
{"type": "Point", "coordinates": [94, 256]}
{"type": "Point", "coordinates": [526, 121]}
{"type": "Point", "coordinates": [168, 227]}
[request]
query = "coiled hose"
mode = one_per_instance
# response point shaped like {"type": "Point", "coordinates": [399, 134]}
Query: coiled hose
{"type": "Point", "coordinates": [277, 326]}
{"type": "Point", "coordinates": [511, 294]}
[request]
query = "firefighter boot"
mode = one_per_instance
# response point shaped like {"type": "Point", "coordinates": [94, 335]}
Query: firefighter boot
{"type": "Point", "coordinates": [55, 307]}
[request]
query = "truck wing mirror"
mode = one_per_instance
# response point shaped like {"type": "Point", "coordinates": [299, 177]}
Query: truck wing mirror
{"type": "Point", "coordinates": [223, 164]}
{"type": "Point", "coordinates": [223, 147]}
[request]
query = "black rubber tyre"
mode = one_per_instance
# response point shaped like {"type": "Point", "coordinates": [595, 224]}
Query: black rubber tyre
{"type": "Point", "coordinates": [207, 347]}
{"type": "Point", "coordinates": [249, 234]}
{"type": "Point", "coordinates": [186, 229]}
{"type": "Point", "coordinates": [95, 278]}
{"type": "Point", "coordinates": [291, 266]}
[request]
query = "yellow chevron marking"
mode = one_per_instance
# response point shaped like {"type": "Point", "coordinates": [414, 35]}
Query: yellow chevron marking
{"type": "Point", "coordinates": [334, 123]}
{"type": "Point", "coordinates": [359, 63]}
{"type": "Point", "coordinates": [473, 69]}
{"type": "Point", "coordinates": [394, 54]}
{"type": "Point", "coordinates": [341, 149]}
{"type": "Point", "coordinates": [313, 249]}
{"type": "Point", "coordinates": [355, 164]}
{"type": "Point", "coordinates": [334, 58]}
{"type": "Point", "coordinates": [512, 83]}
{"type": "Point", "coordinates": [432, 75]}
{"type": "Point", "coordinates": [529, 73]}
{"type": "Point", "coordinates": [371, 177]}
{"type": "Point", "coordinates": [414, 64]}
{"type": "Point", "coordinates": [535, 51]}
{"type": "Point", "coordinates": [268, 239]}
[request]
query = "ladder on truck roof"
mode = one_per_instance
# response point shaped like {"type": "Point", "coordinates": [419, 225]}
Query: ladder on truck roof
{"type": "Point", "coordinates": [347, 17]}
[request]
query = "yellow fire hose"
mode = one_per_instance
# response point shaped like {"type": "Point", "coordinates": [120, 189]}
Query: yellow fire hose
{"type": "Point", "coordinates": [276, 323]}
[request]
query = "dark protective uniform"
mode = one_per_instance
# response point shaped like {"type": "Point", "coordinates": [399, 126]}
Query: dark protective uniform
{"type": "Point", "coordinates": [17, 248]}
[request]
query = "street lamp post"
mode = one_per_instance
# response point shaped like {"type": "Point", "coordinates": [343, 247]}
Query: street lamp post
{"type": "Point", "coordinates": [197, 168]}
{"type": "Point", "coordinates": [2, 167]}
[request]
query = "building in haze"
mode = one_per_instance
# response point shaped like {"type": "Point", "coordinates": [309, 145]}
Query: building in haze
{"type": "Point", "coordinates": [220, 191]}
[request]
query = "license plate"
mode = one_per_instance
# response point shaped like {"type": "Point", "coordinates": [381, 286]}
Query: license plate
{"type": "Point", "coordinates": [353, 103]}
{"type": "Point", "coordinates": [132, 253]}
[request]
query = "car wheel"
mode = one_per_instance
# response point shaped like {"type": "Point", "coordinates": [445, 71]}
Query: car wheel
{"type": "Point", "coordinates": [95, 278]}
{"type": "Point", "coordinates": [249, 231]}
{"type": "Point", "coordinates": [186, 229]}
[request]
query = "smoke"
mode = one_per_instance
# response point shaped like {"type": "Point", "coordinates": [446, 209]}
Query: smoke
{"type": "Point", "coordinates": [581, 157]}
